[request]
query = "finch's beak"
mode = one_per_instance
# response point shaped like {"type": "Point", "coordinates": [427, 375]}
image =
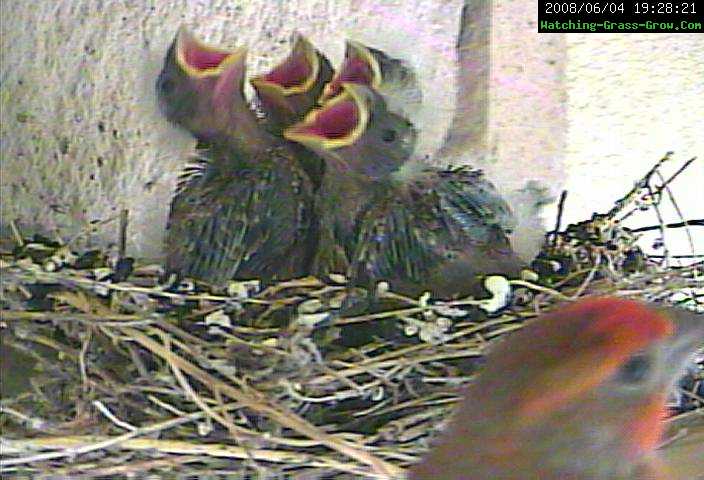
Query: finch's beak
{"type": "Point", "coordinates": [689, 338]}
{"type": "Point", "coordinates": [229, 86]}
{"type": "Point", "coordinates": [201, 85]}
{"type": "Point", "coordinates": [340, 122]}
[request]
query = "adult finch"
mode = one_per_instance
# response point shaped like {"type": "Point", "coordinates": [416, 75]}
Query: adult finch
{"type": "Point", "coordinates": [577, 394]}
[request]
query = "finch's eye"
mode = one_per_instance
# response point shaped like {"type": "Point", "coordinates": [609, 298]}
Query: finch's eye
{"type": "Point", "coordinates": [388, 135]}
{"type": "Point", "coordinates": [635, 370]}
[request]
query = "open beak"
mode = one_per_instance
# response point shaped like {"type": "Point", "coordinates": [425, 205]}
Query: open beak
{"type": "Point", "coordinates": [293, 87]}
{"type": "Point", "coordinates": [296, 74]}
{"type": "Point", "coordinates": [359, 67]}
{"type": "Point", "coordinates": [200, 60]}
{"type": "Point", "coordinates": [339, 122]}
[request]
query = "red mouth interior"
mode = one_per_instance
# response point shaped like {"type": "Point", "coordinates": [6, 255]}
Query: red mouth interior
{"type": "Point", "coordinates": [335, 121]}
{"type": "Point", "coordinates": [294, 71]}
{"type": "Point", "coordinates": [202, 59]}
{"type": "Point", "coordinates": [353, 70]}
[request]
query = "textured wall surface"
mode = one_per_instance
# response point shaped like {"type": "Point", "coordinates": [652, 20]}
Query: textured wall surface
{"type": "Point", "coordinates": [81, 137]}
{"type": "Point", "coordinates": [631, 99]}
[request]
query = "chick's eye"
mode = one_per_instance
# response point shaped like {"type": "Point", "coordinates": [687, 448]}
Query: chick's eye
{"type": "Point", "coordinates": [388, 135]}
{"type": "Point", "coordinates": [635, 370]}
{"type": "Point", "coordinates": [166, 85]}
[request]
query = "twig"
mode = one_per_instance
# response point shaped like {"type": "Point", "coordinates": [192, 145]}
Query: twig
{"type": "Point", "coordinates": [558, 220]}
{"type": "Point", "coordinates": [124, 222]}
{"type": "Point", "coordinates": [110, 416]}
{"type": "Point", "coordinates": [666, 250]}
{"type": "Point", "coordinates": [82, 358]}
{"type": "Point", "coordinates": [73, 445]}
{"type": "Point", "coordinates": [259, 403]}
{"type": "Point", "coordinates": [676, 174]}
{"type": "Point", "coordinates": [699, 222]}
{"type": "Point", "coordinates": [16, 234]}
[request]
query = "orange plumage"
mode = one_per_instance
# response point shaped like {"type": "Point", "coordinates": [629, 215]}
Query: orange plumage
{"type": "Point", "coordinates": [577, 394]}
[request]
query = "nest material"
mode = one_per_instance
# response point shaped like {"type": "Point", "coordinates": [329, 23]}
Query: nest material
{"type": "Point", "coordinates": [302, 379]}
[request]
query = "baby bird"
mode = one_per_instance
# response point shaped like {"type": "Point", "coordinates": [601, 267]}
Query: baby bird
{"type": "Point", "coordinates": [245, 208]}
{"type": "Point", "coordinates": [385, 217]}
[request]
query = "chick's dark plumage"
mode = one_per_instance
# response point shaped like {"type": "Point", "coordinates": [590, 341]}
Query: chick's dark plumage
{"type": "Point", "coordinates": [241, 216]}
{"type": "Point", "coordinates": [385, 217]}
{"type": "Point", "coordinates": [244, 207]}
{"type": "Point", "coordinates": [432, 232]}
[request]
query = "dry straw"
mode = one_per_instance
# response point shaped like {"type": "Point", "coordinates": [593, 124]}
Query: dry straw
{"type": "Point", "coordinates": [294, 380]}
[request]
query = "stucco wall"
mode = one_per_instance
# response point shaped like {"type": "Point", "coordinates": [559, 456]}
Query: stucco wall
{"type": "Point", "coordinates": [631, 99]}
{"type": "Point", "coordinates": [81, 137]}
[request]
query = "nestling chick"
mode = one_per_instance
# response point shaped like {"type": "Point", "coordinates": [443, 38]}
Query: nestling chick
{"type": "Point", "coordinates": [387, 218]}
{"type": "Point", "coordinates": [245, 209]}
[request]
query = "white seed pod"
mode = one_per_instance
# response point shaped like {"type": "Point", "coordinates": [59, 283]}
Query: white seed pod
{"type": "Point", "coordinates": [337, 278]}
{"type": "Point", "coordinates": [186, 285]}
{"type": "Point", "coordinates": [243, 289]}
{"type": "Point", "coordinates": [50, 266]}
{"type": "Point", "coordinates": [102, 273]}
{"type": "Point", "coordinates": [312, 319]}
{"type": "Point", "coordinates": [448, 311]}
{"type": "Point", "coordinates": [382, 288]}
{"type": "Point", "coordinates": [224, 367]}
{"type": "Point", "coordinates": [443, 323]}
{"type": "Point", "coordinates": [64, 256]}
{"type": "Point", "coordinates": [500, 289]}
{"type": "Point", "coordinates": [310, 306]}
{"type": "Point", "coordinates": [205, 428]}
{"type": "Point", "coordinates": [529, 275]}
{"type": "Point", "coordinates": [37, 247]}
{"type": "Point", "coordinates": [430, 333]}
{"type": "Point", "coordinates": [411, 330]}
{"type": "Point", "coordinates": [101, 290]}
{"type": "Point", "coordinates": [218, 318]}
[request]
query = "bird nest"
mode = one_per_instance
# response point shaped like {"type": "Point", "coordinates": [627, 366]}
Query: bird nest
{"type": "Point", "coordinates": [308, 378]}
